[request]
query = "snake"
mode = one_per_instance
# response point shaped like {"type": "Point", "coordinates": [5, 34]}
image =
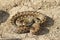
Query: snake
{"type": "Point", "coordinates": [28, 21]}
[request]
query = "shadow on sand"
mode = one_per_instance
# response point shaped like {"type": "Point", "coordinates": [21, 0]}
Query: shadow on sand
{"type": "Point", "coordinates": [48, 23]}
{"type": "Point", "coordinates": [3, 16]}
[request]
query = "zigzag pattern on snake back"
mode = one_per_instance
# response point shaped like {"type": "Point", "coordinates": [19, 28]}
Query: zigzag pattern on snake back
{"type": "Point", "coordinates": [28, 21]}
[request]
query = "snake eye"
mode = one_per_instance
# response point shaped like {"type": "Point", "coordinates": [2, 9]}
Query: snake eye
{"type": "Point", "coordinates": [37, 18]}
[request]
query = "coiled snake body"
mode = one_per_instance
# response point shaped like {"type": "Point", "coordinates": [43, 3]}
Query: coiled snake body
{"type": "Point", "coordinates": [28, 21]}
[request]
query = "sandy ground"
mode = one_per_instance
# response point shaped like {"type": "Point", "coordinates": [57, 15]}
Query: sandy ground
{"type": "Point", "coordinates": [51, 8]}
